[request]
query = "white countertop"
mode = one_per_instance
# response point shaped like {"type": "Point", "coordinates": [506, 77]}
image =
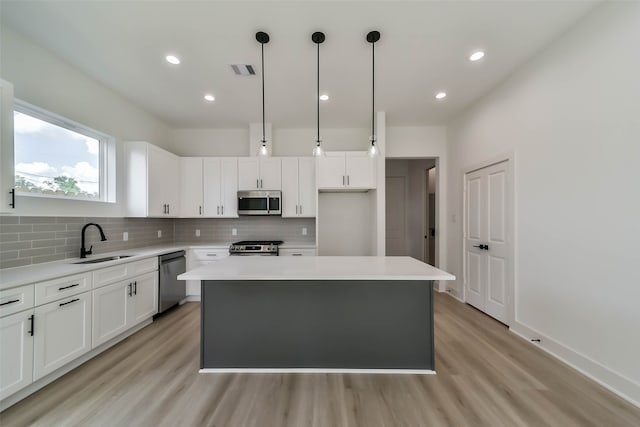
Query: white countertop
{"type": "Point", "coordinates": [34, 273]}
{"type": "Point", "coordinates": [317, 268]}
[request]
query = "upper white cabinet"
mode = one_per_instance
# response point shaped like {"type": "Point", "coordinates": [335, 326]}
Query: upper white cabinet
{"type": "Point", "coordinates": [220, 187]}
{"type": "Point", "coordinates": [191, 187]}
{"type": "Point", "coordinates": [346, 170]}
{"type": "Point", "coordinates": [259, 173]}
{"type": "Point", "coordinates": [153, 177]}
{"type": "Point", "coordinates": [7, 179]}
{"type": "Point", "coordinates": [298, 187]}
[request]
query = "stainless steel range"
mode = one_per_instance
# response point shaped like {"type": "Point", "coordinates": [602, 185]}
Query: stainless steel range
{"type": "Point", "coordinates": [255, 247]}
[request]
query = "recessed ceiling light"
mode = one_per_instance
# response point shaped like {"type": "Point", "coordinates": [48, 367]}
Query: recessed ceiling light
{"type": "Point", "coordinates": [476, 56]}
{"type": "Point", "coordinates": [324, 97]}
{"type": "Point", "coordinates": [441, 95]}
{"type": "Point", "coordinates": [171, 59]}
{"type": "Point", "coordinates": [209, 97]}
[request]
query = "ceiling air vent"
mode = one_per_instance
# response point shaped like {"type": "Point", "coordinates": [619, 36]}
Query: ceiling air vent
{"type": "Point", "coordinates": [243, 69]}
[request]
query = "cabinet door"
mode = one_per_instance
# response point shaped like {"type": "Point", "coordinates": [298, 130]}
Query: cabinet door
{"type": "Point", "coordinates": [62, 332]}
{"type": "Point", "coordinates": [248, 176]}
{"type": "Point", "coordinates": [270, 173]}
{"type": "Point", "coordinates": [157, 167]}
{"type": "Point", "coordinates": [110, 316]}
{"type": "Point", "coordinates": [229, 187]}
{"type": "Point", "coordinates": [145, 297]}
{"type": "Point", "coordinates": [172, 184]}
{"type": "Point", "coordinates": [7, 178]}
{"type": "Point", "coordinates": [307, 187]}
{"type": "Point", "coordinates": [331, 170]}
{"type": "Point", "coordinates": [290, 203]}
{"type": "Point", "coordinates": [191, 187]}
{"type": "Point", "coordinates": [360, 170]}
{"type": "Point", "coordinates": [212, 187]}
{"type": "Point", "coordinates": [16, 353]}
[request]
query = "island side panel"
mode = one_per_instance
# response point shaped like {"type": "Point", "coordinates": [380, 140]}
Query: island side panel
{"type": "Point", "coordinates": [317, 324]}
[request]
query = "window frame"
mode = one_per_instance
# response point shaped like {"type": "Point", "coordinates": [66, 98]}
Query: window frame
{"type": "Point", "coordinates": [106, 153]}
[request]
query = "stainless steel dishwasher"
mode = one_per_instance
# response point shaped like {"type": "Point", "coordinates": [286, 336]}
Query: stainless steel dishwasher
{"type": "Point", "coordinates": [171, 290]}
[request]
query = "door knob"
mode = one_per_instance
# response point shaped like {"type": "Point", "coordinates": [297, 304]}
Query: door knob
{"type": "Point", "coordinates": [482, 247]}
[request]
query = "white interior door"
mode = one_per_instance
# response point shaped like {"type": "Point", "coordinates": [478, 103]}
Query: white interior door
{"type": "Point", "coordinates": [486, 237]}
{"type": "Point", "coordinates": [396, 236]}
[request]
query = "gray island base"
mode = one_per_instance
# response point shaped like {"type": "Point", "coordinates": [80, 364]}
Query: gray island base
{"type": "Point", "coordinates": [317, 314]}
{"type": "Point", "coordinates": [316, 325]}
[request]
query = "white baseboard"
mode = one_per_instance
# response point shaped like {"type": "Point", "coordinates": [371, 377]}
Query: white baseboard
{"type": "Point", "coordinates": [315, 371]}
{"type": "Point", "coordinates": [451, 293]}
{"type": "Point", "coordinates": [191, 298]}
{"type": "Point", "coordinates": [612, 381]}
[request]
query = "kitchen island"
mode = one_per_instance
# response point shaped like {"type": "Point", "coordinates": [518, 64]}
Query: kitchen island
{"type": "Point", "coordinates": [317, 314]}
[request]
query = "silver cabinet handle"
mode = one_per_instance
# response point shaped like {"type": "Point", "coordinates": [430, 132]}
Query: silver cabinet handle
{"type": "Point", "coordinates": [218, 210]}
{"type": "Point", "coordinates": [296, 209]}
{"type": "Point", "coordinates": [222, 209]}
{"type": "Point", "coordinates": [300, 209]}
{"type": "Point", "coordinates": [261, 186]}
{"type": "Point", "coordinates": [342, 179]}
{"type": "Point", "coordinates": [257, 183]}
{"type": "Point", "coordinates": [168, 209]}
{"type": "Point", "coordinates": [347, 179]}
{"type": "Point", "coordinates": [210, 254]}
{"type": "Point", "coordinates": [296, 254]}
{"type": "Point", "coordinates": [200, 210]}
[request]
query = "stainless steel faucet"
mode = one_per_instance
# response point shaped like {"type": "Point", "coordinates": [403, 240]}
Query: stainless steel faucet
{"type": "Point", "coordinates": [83, 251]}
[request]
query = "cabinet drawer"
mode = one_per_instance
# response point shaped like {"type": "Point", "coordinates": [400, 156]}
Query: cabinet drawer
{"type": "Point", "coordinates": [63, 287]}
{"type": "Point", "coordinates": [210, 254]}
{"type": "Point", "coordinates": [297, 252]}
{"type": "Point", "coordinates": [16, 299]}
{"type": "Point", "coordinates": [108, 275]}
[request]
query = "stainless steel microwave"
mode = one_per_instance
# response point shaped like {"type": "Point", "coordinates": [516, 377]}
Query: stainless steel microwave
{"type": "Point", "coordinates": [259, 203]}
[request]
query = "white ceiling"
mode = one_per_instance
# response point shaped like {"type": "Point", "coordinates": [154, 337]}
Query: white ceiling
{"type": "Point", "coordinates": [423, 49]}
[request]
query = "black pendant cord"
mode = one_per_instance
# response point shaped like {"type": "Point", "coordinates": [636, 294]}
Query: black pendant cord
{"type": "Point", "coordinates": [373, 92]}
{"type": "Point", "coordinates": [318, 92]}
{"type": "Point", "coordinates": [263, 127]}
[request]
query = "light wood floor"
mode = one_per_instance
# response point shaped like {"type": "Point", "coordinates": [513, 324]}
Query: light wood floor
{"type": "Point", "coordinates": [486, 376]}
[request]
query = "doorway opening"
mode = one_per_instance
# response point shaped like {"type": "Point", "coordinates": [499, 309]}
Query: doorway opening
{"type": "Point", "coordinates": [411, 209]}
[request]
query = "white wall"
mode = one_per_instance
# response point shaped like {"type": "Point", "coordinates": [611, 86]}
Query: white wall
{"type": "Point", "coordinates": [345, 224]}
{"type": "Point", "coordinates": [43, 79]}
{"type": "Point", "coordinates": [210, 142]}
{"type": "Point", "coordinates": [572, 119]}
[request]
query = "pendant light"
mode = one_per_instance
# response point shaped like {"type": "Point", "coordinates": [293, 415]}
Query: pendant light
{"type": "Point", "coordinates": [263, 38]}
{"type": "Point", "coordinates": [373, 37]}
{"type": "Point", "coordinates": [318, 38]}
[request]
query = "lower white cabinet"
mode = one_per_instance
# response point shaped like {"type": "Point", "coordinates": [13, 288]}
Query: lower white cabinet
{"type": "Point", "coordinates": [16, 352]}
{"type": "Point", "coordinates": [199, 257]}
{"type": "Point", "coordinates": [62, 332]}
{"type": "Point", "coordinates": [122, 305]}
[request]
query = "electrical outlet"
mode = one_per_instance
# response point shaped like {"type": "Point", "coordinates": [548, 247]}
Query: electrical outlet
{"type": "Point", "coordinates": [125, 236]}
{"type": "Point", "coordinates": [197, 233]}
{"type": "Point", "coordinates": [159, 234]}
{"type": "Point", "coordinates": [304, 231]}
{"type": "Point", "coordinates": [234, 231]}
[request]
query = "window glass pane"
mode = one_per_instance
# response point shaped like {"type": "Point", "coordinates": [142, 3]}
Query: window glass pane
{"type": "Point", "coordinates": [53, 160]}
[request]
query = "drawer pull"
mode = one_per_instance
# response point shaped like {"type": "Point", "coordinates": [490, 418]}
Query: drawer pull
{"type": "Point", "coordinates": [68, 287]}
{"type": "Point", "coordinates": [296, 254]}
{"type": "Point", "coordinates": [13, 301]}
{"type": "Point", "coordinates": [212, 254]}
{"type": "Point", "coordinates": [69, 302]}
{"type": "Point", "coordinates": [31, 318]}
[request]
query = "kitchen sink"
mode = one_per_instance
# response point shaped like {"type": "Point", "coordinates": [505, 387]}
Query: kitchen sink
{"type": "Point", "coordinates": [97, 260]}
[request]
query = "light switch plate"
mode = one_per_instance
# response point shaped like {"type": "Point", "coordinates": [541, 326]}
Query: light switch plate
{"type": "Point", "coordinates": [125, 236]}
{"type": "Point", "coordinates": [234, 232]}
{"type": "Point", "coordinates": [159, 234]}
{"type": "Point", "coordinates": [197, 233]}
{"type": "Point", "coordinates": [304, 231]}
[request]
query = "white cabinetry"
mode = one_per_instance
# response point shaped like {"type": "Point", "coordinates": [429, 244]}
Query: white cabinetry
{"type": "Point", "coordinates": [199, 257]}
{"type": "Point", "coordinates": [297, 252]}
{"type": "Point", "coordinates": [16, 352]}
{"type": "Point", "coordinates": [62, 332]}
{"type": "Point", "coordinates": [221, 187]}
{"type": "Point", "coordinates": [299, 191]}
{"type": "Point", "coordinates": [346, 170]}
{"type": "Point", "coordinates": [144, 301]}
{"type": "Point", "coordinates": [191, 187]}
{"type": "Point", "coordinates": [7, 179]}
{"type": "Point", "coordinates": [152, 181]}
{"type": "Point", "coordinates": [110, 312]}
{"type": "Point", "coordinates": [259, 173]}
{"type": "Point", "coordinates": [209, 187]}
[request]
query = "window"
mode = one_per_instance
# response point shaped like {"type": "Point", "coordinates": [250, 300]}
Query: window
{"type": "Point", "coordinates": [56, 157]}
